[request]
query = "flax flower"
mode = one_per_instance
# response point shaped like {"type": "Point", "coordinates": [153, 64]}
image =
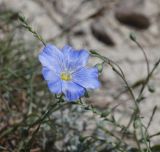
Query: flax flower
{"type": "Point", "coordinates": [66, 72]}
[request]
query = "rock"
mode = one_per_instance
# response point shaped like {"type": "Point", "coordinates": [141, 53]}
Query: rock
{"type": "Point", "coordinates": [133, 19]}
{"type": "Point", "coordinates": [79, 32]}
{"type": "Point", "coordinates": [131, 13]}
{"type": "Point", "coordinates": [99, 32]}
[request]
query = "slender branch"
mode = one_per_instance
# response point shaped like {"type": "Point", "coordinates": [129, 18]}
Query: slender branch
{"type": "Point", "coordinates": [25, 24]}
{"type": "Point", "coordinates": [148, 78]}
{"type": "Point", "coordinates": [137, 110]}
{"type": "Point", "coordinates": [133, 38]}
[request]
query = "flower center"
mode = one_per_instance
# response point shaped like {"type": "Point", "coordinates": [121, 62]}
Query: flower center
{"type": "Point", "coordinates": [66, 76]}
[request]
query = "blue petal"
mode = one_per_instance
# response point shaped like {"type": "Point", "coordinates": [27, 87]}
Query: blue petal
{"type": "Point", "coordinates": [87, 78]}
{"type": "Point", "coordinates": [55, 86]}
{"type": "Point", "coordinates": [49, 75]}
{"type": "Point", "coordinates": [72, 91]}
{"type": "Point", "coordinates": [74, 59]}
{"type": "Point", "coordinates": [51, 58]}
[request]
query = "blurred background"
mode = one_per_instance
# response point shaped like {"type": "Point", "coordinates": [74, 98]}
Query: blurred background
{"type": "Point", "coordinates": [101, 25]}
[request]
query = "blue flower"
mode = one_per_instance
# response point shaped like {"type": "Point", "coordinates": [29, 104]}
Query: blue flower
{"type": "Point", "coordinates": [65, 71]}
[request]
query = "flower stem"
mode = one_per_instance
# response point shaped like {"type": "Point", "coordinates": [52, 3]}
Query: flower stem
{"type": "Point", "coordinates": [25, 24]}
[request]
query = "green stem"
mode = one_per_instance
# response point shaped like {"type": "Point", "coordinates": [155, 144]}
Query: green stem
{"type": "Point", "coordinates": [25, 24]}
{"type": "Point", "coordinates": [137, 110]}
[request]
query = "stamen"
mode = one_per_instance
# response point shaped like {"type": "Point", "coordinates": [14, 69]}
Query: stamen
{"type": "Point", "coordinates": [66, 76]}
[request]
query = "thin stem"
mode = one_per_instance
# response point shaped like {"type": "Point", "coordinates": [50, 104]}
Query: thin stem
{"type": "Point", "coordinates": [46, 114]}
{"type": "Point", "coordinates": [133, 38]}
{"type": "Point", "coordinates": [148, 78]}
{"type": "Point", "coordinates": [137, 110]}
{"type": "Point", "coordinates": [151, 118]}
{"type": "Point", "coordinates": [25, 24]}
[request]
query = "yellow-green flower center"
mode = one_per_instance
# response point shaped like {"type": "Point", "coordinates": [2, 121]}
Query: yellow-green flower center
{"type": "Point", "coordinates": [66, 76]}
